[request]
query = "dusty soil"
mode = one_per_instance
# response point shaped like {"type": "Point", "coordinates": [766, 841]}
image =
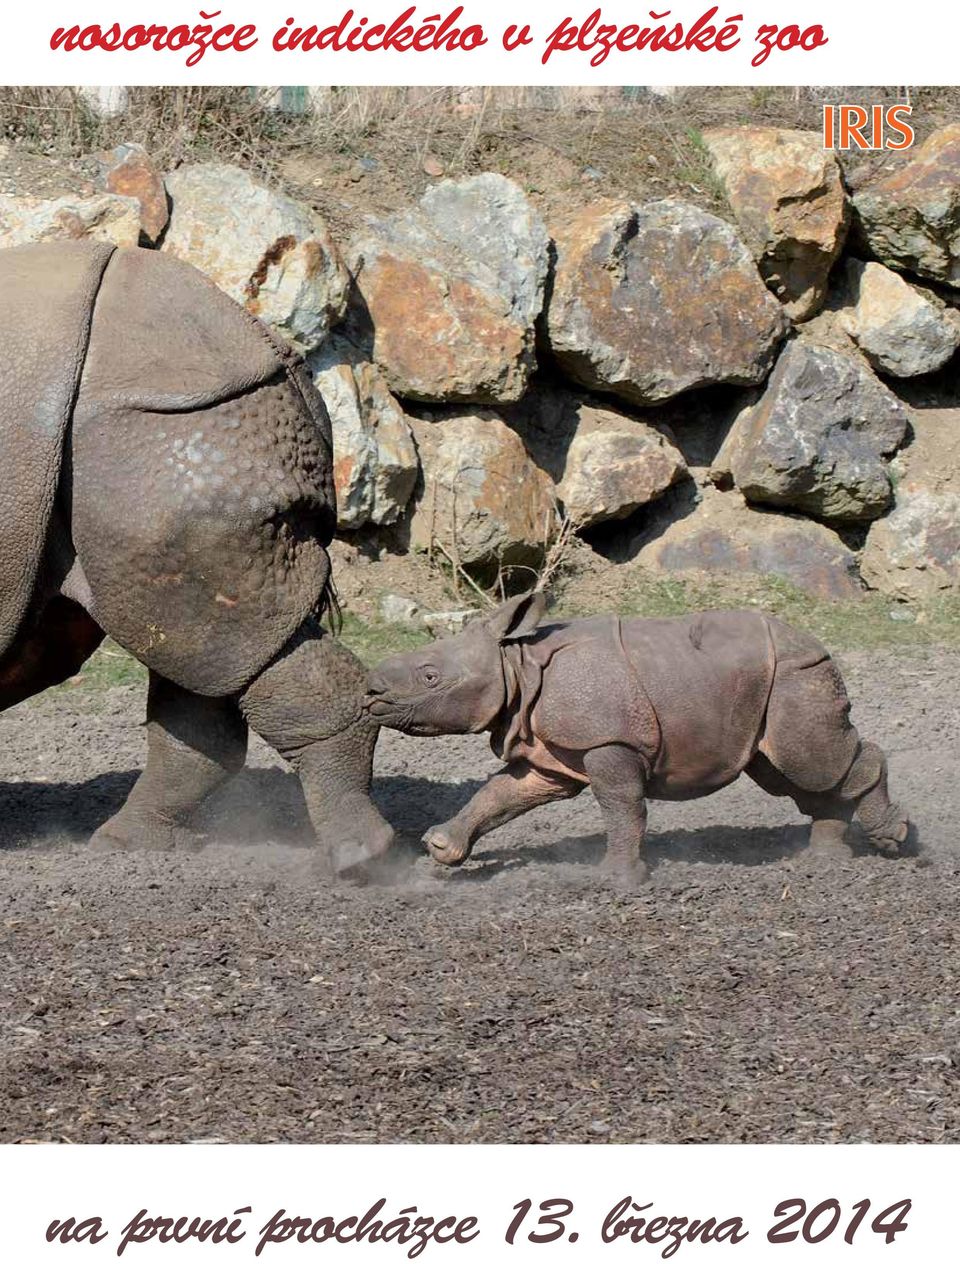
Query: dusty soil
{"type": "Point", "coordinates": [747, 994]}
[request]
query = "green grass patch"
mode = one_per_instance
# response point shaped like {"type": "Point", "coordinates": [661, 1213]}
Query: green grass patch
{"type": "Point", "coordinates": [373, 639]}
{"type": "Point", "coordinates": [873, 621]}
{"type": "Point", "coordinates": [109, 667]}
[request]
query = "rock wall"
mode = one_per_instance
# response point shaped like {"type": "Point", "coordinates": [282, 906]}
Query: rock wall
{"type": "Point", "coordinates": [772, 394]}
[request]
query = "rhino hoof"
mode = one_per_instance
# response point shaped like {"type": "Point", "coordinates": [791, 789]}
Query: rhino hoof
{"type": "Point", "coordinates": [103, 841]}
{"type": "Point", "coordinates": [626, 877]}
{"type": "Point", "coordinates": [110, 838]}
{"type": "Point", "coordinates": [828, 838]}
{"type": "Point", "coordinates": [444, 848]}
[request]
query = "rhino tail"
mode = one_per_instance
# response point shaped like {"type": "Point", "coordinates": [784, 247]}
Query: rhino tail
{"type": "Point", "coordinates": [328, 609]}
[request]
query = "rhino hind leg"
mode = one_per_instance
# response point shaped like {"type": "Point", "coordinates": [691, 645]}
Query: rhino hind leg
{"type": "Point", "coordinates": [830, 814]}
{"type": "Point", "coordinates": [886, 823]}
{"type": "Point", "coordinates": [862, 791]}
{"type": "Point", "coordinates": [194, 744]}
{"type": "Point", "coordinates": [307, 705]}
{"type": "Point", "coordinates": [831, 773]}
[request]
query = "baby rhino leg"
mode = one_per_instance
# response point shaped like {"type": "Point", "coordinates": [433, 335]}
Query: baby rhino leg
{"type": "Point", "coordinates": [829, 772]}
{"type": "Point", "coordinates": [509, 793]}
{"type": "Point", "coordinates": [830, 814]}
{"type": "Point", "coordinates": [809, 743]}
{"type": "Point", "coordinates": [616, 778]}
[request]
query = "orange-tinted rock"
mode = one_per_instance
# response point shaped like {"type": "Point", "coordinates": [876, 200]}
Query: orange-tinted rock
{"type": "Point", "coordinates": [375, 459]}
{"type": "Point", "coordinates": [483, 499]}
{"type": "Point", "coordinates": [450, 290]}
{"type": "Point", "coordinates": [128, 171]}
{"type": "Point", "coordinates": [787, 195]}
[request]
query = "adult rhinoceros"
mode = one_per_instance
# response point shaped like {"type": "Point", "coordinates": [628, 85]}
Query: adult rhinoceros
{"type": "Point", "coordinates": [166, 479]}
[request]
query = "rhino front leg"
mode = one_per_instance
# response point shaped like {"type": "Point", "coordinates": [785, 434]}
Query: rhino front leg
{"type": "Point", "coordinates": [509, 793]}
{"type": "Point", "coordinates": [616, 778]}
{"type": "Point", "coordinates": [307, 705]}
{"type": "Point", "coordinates": [193, 745]}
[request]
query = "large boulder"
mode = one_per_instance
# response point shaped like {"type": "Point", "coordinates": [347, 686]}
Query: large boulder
{"type": "Point", "coordinates": [786, 192]}
{"type": "Point", "coordinates": [375, 463]}
{"type": "Point", "coordinates": [910, 219]}
{"type": "Point", "coordinates": [449, 291]}
{"type": "Point", "coordinates": [649, 301]}
{"type": "Point", "coordinates": [606, 465]}
{"type": "Point", "coordinates": [914, 552]}
{"type": "Point", "coordinates": [95, 216]}
{"type": "Point", "coordinates": [816, 438]}
{"type": "Point", "coordinates": [724, 537]}
{"type": "Point", "coordinates": [483, 501]}
{"type": "Point", "coordinates": [902, 329]}
{"type": "Point", "coordinates": [273, 255]}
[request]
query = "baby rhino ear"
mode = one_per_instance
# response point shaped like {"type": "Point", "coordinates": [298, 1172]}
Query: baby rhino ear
{"type": "Point", "coordinates": [517, 617]}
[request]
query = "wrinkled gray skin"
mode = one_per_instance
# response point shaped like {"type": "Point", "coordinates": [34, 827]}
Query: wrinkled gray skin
{"type": "Point", "coordinates": [638, 709]}
{"type": "Point", "coordinates": [166, 479]}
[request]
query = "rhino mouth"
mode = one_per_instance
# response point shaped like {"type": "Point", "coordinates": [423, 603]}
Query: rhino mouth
{"type": "Point", "coordinates": [393, 714]}
{"type": "Point", "coordinates": [390, 712]}
{"type": "Point", "coordinates": [378, 706]}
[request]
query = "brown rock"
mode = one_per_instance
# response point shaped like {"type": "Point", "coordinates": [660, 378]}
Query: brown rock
{"type": "Point", "coordinates": [910, 219]}
{"type": "Point", "coordinates": [483, 499]}
{"type": "Point", "coordinates": [452, 289]}
{"type": "Point", "coordinates": [649, 301]}
{"type": "Point", "coordinates": [128, 171]}
{"type": "Point", "coordinates": [787, 194]}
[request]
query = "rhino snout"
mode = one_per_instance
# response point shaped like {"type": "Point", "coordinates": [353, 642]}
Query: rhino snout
{"type": "Point", "coordinates": [376, 685]}
{"type": "Point", "coordinates": [376, 700]}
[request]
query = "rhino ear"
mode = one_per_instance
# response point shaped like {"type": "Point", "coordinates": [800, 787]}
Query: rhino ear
{"type": "Point", "coordinates": [517, 617]}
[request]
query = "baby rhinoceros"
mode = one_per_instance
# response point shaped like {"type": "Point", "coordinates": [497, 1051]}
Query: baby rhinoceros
{"type": "Point", "coordinates": [638, 709]}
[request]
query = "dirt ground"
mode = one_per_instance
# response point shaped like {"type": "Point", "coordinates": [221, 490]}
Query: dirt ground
{"type": "Point", "coordinates": [746, 994]}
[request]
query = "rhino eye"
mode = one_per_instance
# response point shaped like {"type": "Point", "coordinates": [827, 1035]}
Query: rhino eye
{"type": "Point", "coordinates": [429, 676]}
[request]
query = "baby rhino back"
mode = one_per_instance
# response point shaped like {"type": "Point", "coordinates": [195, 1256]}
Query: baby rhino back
{"type": "Point", "coordinates": [708, 678]}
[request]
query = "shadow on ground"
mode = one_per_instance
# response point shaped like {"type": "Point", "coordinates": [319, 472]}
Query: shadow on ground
{"type": "Point", "coordinates": [266, 805]}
